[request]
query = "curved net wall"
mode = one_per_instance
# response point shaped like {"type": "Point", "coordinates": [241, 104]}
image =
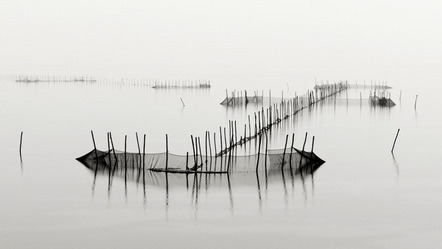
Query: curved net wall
{"type": "Point", "coordinates": [230, 162]}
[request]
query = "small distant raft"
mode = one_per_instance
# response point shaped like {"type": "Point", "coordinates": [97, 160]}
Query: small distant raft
{"type": "Point", "coordinates": [291, 158]}
{"type": "Point", "coordinates": [383, 101]}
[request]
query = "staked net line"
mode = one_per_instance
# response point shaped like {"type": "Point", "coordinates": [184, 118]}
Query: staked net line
{"type": "Point", "coordinates": [272, 160]}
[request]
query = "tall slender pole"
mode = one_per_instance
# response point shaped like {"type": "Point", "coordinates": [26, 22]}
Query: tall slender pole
{"type": "Point", "coordinates": [305, 140]}
{"type": "Point", "coordinates": [144, 152]}
{"type": "Point", "coordinates": [415, 102]}
{"type": "Point", "coordinates": [220, 140]}
{"type": "Point", "coordinates": [285, 146]}
{"type": "Point", "coordinates": [167, 152]}
{"type": "Point", "coordinates": [193, 148]}
{"type": "Point", "coordinates": [394, 143]}
{"type": "Point", "coordinates": [21, 141]}
{"type": "Point", "coordinates": [138, 144]}
{"type": "Point", "coordinates": [250, 129]}
{"type": "Point", "coordinates": [109, 151]}
{"type": "Point", "coordinates": [214, 142]}
{"type": "Point", "coordinates": [201, 154]}
{"type": "Point", "coordinates": [205, 145]}
{"type": "Point", "coordinates": [113, 149]}
{"type": "Point", "coordinates": [210, 145]}
{"type": "Point", "coordinates": [291, 149]}
{"type": "Point", "coordinates": [125, 153]}
{"type": "Point", "coordinates": [259, 151]}
{"type": "Point", "coordinates": [265, 157]}
{"type": "Point", "coordinates": [93, 140]}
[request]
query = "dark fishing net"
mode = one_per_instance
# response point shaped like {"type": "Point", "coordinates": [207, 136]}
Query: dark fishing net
{"type": "Point", "coordinates": [168, 162]}
{"type": "Point", "coordinates": [381, 101]}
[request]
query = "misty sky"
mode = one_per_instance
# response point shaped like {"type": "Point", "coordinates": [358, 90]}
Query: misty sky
{"type": "Point", "coordinates": [242, 40]}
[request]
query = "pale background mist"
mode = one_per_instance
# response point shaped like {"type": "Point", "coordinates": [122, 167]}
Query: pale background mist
{"type": "Point", "coordinates": [251, 42]}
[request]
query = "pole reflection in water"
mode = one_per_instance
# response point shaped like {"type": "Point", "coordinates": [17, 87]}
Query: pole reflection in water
{"type": "Point", "coordinates": [174, 183]}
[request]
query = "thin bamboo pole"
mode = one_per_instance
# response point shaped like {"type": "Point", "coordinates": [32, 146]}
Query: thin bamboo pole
{"type": "Point", "coordinates": [285, 147]}
{"type": "Point", "coordinates": [394, 143]}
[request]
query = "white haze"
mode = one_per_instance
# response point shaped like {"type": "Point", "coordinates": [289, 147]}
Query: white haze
{"type": "Point", "coordinates": [252, 42]}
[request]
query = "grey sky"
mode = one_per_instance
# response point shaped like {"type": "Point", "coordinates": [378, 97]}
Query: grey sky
{"type": "Point", "coordinates": [243, 40]}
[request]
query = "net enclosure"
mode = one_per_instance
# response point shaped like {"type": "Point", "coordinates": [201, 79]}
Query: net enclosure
{"type": "Point", "coordinates": [382, 101]}
{"type": "Point", "coordinates": [167, 162]}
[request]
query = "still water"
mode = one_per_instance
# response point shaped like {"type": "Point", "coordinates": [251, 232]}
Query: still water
{"type": "Point", "coordinates": [362, 197]}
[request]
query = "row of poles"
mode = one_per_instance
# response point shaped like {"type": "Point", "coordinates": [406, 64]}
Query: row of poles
{"type": "Point", "coordinates": [265, 119]}
{"type": "Point", "coordinates": [182, 84]}
{"type": "Point", "coordinates": [108, 81]}
{"type": "Point", "coordinates": [376, 84]}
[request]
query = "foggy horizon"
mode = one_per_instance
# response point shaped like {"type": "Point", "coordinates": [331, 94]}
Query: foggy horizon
{"type": "Point", "coordinates": [250, 41]}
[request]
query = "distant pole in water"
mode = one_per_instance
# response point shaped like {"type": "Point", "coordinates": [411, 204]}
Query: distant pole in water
{"type": "Point", "coordinates": [415, 102]}
{"type": "Point", "coordinates": [285, 146]}
{"type": "Point", "coordinates": [205, 145]}
{"type": "Point", "coordinates": [144, 152]}
{"type": "Point", "coordinates": [305, 140]}
{"type": "Point", "coordinates": [394, 143]}
{"type": "Point", "coordinates": [210, 146]}
{"type": "Point", "coordinates": [167, 151]}
{"type": "Point", "coordinates": [291, 149]}
{"type": "Point", "coordinates": [182, 102]}
{"type": "Point", "coordinates": [138, 144]}
{"type": "Point", "coordinates": [313, 145]}
{"type": "Point", "coordinates": [400, 96]}
{"type": "Point", "coordinates": [187, 160]}
{"type": "Point", "coordinates": [113, 149]}
{"type": "Point", "coordinates": [201, 154]}
{"type": "Point", "coordinates": [108, 150]}
{"type": "Point", "coordinates": [265, 157]}
{"type": "Point", "coordinates": [193, 148]}
{"type": "Point", "coordinates": [21, 140]}
{"type": "Point", "coordinates": [259, 151]}
{"type": "Point", "coordinates": [125, 149]}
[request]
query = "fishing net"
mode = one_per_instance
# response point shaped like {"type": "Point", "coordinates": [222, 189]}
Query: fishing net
{"type": "Point", "coordinates": [230, 162]}
{"type": "Point", "coordinates": [382, 101]}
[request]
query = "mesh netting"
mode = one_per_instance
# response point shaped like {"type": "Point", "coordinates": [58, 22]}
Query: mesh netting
{"type": "Point", "coordinates": [381, 101]}
{"type": "Point", "coordinates": [168, 162]}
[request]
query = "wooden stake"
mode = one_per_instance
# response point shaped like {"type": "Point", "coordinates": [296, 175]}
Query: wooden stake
{"type": "Point", "coordinates": [201, 154]}
{"type": "Point", "coordinates": [93, 140]}
{"type": "Point", "coordinates": [285, 146]}
{"type": "Point", "coordinates": [259, 151]}
{"type": "Point", "coordinates": [144, 152]}
{"type": "Point", "coordinates": [167, 152]}
{"type": "Point", "coordinates": [138, 144]}
{"type": "Point", "coordinates": [250, 129]}
{"type": "Point", "coordinates": [21, 140]}
{"type": "Point", "coordinates": [225, 138]}
{"type": "Point", "coordinates": [313, 144]}
{"type": "Point", "coordinates": [205, 145]}
{"type": "Point", "coordinates": [109, 151]}
{"type": "Point", "coordinates": [291, 149]}
{"type": "Point", "coordinates": [236, 138]}
{"type": "Point", "coordinates": [214, 142]}
{"type": "Point", "coordinates": [265, 157]}
{"type": "Point", "coordinates": [220, 140]}
{"type": "Point", "coordinates": [305, 140]}
{"type": "Point", "coordinates": [113, 149]}
{"type": "Point", "coordinates": [415, 102]}
{"type": "Point", "coordinates": [210, 146]}
{"type": "Point", "coordinates": [125, 153]}
{"type": "Point", "coordinates": [394, 143]}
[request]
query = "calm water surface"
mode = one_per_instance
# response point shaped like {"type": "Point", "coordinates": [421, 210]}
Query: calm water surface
{"type": "Point", "coordinates": [362, 197]}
